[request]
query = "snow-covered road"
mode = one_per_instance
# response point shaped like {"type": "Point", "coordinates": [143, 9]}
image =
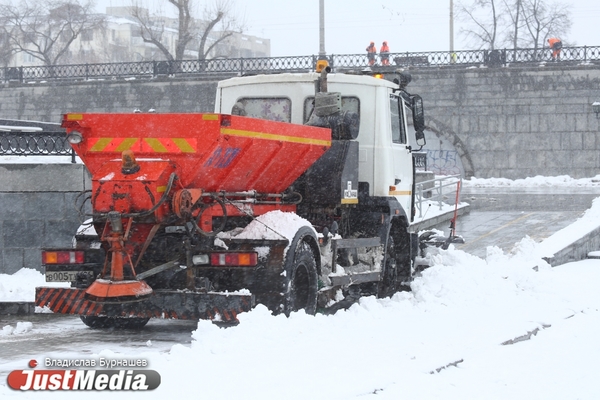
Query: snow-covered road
{"type": "Point", "coordinates": [504, 326]}
{"type": "Point", "coordinates": [447, 339]}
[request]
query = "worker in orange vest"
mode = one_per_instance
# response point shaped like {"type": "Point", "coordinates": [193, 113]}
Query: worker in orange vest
{"type": "Point", "coordinates": [371, 52]}
{"type": "Point", "coordinates": [384, 54]}
{"type": "Point", "coordinates": [556, 46]}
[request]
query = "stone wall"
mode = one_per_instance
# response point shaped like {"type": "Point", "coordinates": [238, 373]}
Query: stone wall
{"type": "Point", "coordinates": [515, 122]}
{"type": "Point", "coordinates": [509, 122]}
{"type": "Point", "coordinates": [48, 101]}
{"type": "Point", "coordinates": [37, 210]}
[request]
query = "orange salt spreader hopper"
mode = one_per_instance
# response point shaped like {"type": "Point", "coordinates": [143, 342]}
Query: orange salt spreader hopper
{"type": "Point", "coordinates": [149, 170]}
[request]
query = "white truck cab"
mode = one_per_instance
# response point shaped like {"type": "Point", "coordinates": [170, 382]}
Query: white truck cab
{"type": "Point", "coordinates": [385, 163]}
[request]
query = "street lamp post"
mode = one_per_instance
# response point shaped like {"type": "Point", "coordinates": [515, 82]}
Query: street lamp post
{"type": "Point", "coordinates": [451, 26]}
{"type": "Point", "coordinates": [322, 55]}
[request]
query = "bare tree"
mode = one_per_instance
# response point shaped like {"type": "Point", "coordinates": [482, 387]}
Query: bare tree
{"type": "Point", "coordinates": [544, 20]}
{"type": "Point", "coordinates": [45, 29]}
{"type": "Point", "coordinates": [6, 50]}
{"type": "Point", "coordinates": [517, 24]}
{"type": "Point", "coordinates": [155, 28]}
{"type": "Point", "coordinates": [513, 8]}
{"type": "Point", "coordinates": [486, 21]}
{"type": "Point", "coordinates": [218, 12]}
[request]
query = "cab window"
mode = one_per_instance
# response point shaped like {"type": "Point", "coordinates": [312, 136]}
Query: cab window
{"type": "Point", "coordinates": [397, 116]}
{"type": "Point", "coordinates": [271, 108]}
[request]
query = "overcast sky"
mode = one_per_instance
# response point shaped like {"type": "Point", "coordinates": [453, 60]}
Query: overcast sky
{"type": "Point", "coordinates": [407, 25]}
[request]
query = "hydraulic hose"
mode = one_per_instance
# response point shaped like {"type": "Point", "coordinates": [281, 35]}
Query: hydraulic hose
{"type": "Point", "coordinates": [140, 214]}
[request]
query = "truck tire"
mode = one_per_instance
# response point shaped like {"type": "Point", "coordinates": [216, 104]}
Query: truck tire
{"type": "Point", "coordinates": [397, 272]}
{"type": "Point", "coordinates": [301, 279]}
{"type": "Point", "coordinates": [387, 284]}
{"type": "Point", "coordinates": [96, 322]}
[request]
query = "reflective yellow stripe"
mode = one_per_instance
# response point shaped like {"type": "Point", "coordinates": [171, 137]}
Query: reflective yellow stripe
{"type": "Point", "coordinates": [161, 189]}
{"type": "Point", "coordinates": [400, 192]}
{"type": "Point", "coordinates": [156, 145]}
{"type": "Point", "coordinates": [210, 117]}
{"type": "Point", "coordinates": [183, 145]}
{"type": "Point", "coordinates": [349, 201]}
{"type": "Point", "coordinates": [74, 117]}
{"type": "Point", "coordinates": [101, 144]}
{"type": "Point", "coordinates": [269, 136]}
{"type": "Point", "coordinates": [126, 144]}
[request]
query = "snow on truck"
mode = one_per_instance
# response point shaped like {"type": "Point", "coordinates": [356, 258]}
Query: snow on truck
{"type": "Point", "coordinates": [296, 192]}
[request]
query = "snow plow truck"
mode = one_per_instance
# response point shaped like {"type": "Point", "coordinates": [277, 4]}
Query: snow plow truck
{"type": "Point", "coordinates": [296, 193]}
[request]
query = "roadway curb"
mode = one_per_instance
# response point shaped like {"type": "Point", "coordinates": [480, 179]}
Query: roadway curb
{"type": "Point", "coordinates": [17, 307]}
{"type": "Point", "coordinates": [438, 219]}
{"type": "Point", "coordinates": [577, 250]}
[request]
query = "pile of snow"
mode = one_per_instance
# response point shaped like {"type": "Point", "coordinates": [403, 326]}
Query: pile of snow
{"type": "Point", "coordinates": [21, 285]}
{"type": "Point", "coordinates": [587, 223]}
{"type": "Point", "coordinates": [536, 181]}
{"type": "Point", "coordinates": [20, 328]}
{"type": "Point", "coordinates": [274, 225]}
{"type": "Point", "coordinates": [459, 334]}
{"type": "Point", "coordinates": [507, 326]}
{"type": "Point", "coordinates": [38, 160]}
{"type": "Point", "coordinates": [504, 326]}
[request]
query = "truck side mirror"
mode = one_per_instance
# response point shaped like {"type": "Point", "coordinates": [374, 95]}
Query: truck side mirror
{"type": "Point", "coordinates": [418, 119]}
{"type": "Point", "coordinates": [420, 136]}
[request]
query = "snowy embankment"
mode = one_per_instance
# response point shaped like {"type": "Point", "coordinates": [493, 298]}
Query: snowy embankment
{"type": "Point", "coordinates": [507, 326]}
{"type": "Point", "coordinates": [535, 181]}
{"type": "Point", "coordinates": [21, 285]}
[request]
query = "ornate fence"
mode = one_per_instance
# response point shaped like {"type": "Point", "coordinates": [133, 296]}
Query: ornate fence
{"type": "Point", "coordinates": [54, 143]}
{"type": "Point", "coordinates": [35, 144]}
{"type": "Point", "coordinates": [245, 66]}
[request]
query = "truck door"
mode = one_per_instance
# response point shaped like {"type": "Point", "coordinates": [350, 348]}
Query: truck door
{"type": "Point", "coordinates": [403, 163]}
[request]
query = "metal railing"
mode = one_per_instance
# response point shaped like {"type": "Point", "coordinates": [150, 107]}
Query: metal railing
{"type": "Point", "coordinates": [420, 158]}
{"type": "Point", "coordinates": [246, 66]}
{"type": "Point", "coordinates": [35, 144]}
{"type": "Point", "coordinates": [437, 190]}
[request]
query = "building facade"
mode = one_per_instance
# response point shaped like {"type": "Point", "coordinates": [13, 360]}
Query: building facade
{"type": "Point", "coordinates": [120, 40]}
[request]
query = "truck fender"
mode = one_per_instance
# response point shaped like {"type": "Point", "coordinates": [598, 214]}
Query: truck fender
{"type": "Point", "coordinates": [308, 235]}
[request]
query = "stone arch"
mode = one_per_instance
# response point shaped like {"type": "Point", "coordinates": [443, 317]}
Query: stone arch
{"type": "Point", "coordinates": [444, 133]}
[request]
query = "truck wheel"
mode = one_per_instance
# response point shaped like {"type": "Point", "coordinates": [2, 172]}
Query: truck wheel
{"type": "Point", "coordinates": [397, 272]}
{"type": "Point", "coordinates": [387, 284]}
{"type": "Point", "coordinates": [95, 322]}
{"type": "Point", "coordinates": [301, 281]}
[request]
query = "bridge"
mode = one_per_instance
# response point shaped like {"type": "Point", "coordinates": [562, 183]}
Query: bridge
{"type": "Point", "coordinates": [263, 65]}
{"type": "Point", "coordinates": [513, 114]}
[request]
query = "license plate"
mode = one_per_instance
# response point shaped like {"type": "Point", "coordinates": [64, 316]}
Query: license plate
{"type": "Point", "coordinates": [66, 276]}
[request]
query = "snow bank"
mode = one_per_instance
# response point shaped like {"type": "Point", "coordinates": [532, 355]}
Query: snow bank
{"type": "Point", "coordinates": [459, 334]}
{"type": "Point", "coordinates": [20, 328]}
{"type": "Point", "coordinates": [536, 181]}
{"type": "Point", "coordinates": [587, 223]}
{"type": "Point", "coordinates": [274, 225]}
{"type": "Point", "coordinates": [504, 327]}
{"type": "Point", "coordinates": [21, 285]}
{"type": "Point", "coordinates": [430, 343]}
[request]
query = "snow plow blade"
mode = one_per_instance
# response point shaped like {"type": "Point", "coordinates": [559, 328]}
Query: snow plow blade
{"type": "Point", "coordinates": [168, 304]}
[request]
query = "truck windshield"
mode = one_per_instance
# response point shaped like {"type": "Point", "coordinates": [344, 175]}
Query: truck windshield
{"type": "Point", "coordinates": [271, 108]}
{"type": "Point", "coordinates": [397, 117]}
